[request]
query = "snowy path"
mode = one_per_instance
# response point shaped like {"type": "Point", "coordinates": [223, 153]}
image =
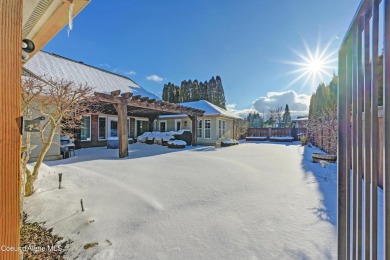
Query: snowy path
{"type": "Point", "coordinates": [251, 201]}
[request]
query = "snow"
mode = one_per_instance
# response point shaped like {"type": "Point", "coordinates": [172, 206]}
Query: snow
{"type": "Point", "coordinates": [177, 142]}
{"type": "Point", "coordinates": [229, 141]}
{"type": "Point", "coordinates": [238, 202]}
{"type": "Point", "coordinates": [282, 138]}
{"type": "Point", "coordinates": [209, 108]}
{"type": "Point", "coordinates": [57, 67]}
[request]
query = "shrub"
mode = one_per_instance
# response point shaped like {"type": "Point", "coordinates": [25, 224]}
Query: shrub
{"type": "Point", "coordinates": [304, 140]}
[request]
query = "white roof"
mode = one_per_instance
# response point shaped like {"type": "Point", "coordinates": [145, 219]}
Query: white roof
{"type": "Point", "coordinates": [46, 64]}
{"type": "Point", "coordinates": [209, 108]}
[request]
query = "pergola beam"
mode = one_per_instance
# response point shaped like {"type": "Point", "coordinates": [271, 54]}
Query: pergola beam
{"type": "Point", "coordinates": [137, 101]}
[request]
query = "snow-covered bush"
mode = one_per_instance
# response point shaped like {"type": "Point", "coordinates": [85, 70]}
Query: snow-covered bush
{"type": "Point", "coordinates": [142, 138]}
{"type": "Point", "coordinates": [228, 142]}
{"type": "Point", "coordinates": [177, 144]}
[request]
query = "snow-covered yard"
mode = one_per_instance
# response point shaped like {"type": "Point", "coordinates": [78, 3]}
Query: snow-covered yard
{"type": "Point", "coordinates": [251, 201]}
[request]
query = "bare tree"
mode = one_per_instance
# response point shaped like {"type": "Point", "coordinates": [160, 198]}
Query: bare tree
{"type": "Point", "coordinates": [63, 104]}
{"type": "Point", "coordinates": [240, 128]}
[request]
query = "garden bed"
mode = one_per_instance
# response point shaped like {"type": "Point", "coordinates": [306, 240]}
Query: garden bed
{"type": "Point", "coordinates": [317, 157]}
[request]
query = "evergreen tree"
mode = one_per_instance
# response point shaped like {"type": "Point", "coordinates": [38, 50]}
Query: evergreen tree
{"type": "Point", "coordinates": [286, 117]}
{"type": "Point", "coordinates": [219, 93]}
{"type": "Point", "coordinates": [165, 93]}
{"type": "Point", "coordinates": [177, 95]}
{"type": "Point", "coordinates": [195, 91]}
{"type": "Point", "coordinates": [211, 90]}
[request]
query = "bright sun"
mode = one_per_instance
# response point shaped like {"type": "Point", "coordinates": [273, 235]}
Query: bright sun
{"type": "Point", "coordinates": [313, 66]}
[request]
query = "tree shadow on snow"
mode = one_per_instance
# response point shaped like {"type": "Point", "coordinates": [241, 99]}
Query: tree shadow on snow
{"type": "Point", "coordinates": [325, 176]}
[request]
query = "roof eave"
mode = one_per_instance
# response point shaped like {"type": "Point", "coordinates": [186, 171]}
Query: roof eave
{"type": "Point", "coordinates": [48, 19]}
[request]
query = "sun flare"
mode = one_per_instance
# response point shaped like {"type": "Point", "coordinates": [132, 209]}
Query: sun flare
{"type": "Point", "coordinates": [314, 66]}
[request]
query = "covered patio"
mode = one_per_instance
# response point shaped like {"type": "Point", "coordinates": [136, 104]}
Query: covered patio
{"type": "Point", "coordinates": [127, 104]}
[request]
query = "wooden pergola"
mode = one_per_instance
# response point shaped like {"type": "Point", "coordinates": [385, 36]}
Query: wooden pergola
{"type": "Point", "coordinates": [127, 104]}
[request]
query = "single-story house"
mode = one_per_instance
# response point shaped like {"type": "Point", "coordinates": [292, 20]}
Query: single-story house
{"type": "Point", "coordinates": [143, 107]}
{"type": "Point", "coordinates": [300, 122]}
{"type": "Point", "coordinates": [216, 122]}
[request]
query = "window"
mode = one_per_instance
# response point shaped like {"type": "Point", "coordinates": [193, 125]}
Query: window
{"type": "Point", "coordinates": [113, 128]}
{"type": "Point", "coordinates": [221, 128]}
{"type": "Point", "coordinates": [86, 128]}
{"type": "Point", "coordinates": [102, 135]}
{"type": "Point", "coordinates": [199, 129]}
{"type": "Point", "coordinates": [207, 128]}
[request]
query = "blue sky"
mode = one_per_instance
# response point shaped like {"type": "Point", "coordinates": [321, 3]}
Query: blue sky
{"type": "Point", "coordinates": [247, 43]}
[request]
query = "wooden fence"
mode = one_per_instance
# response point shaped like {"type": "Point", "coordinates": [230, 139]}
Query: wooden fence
{"type": "Point", "coordinates": [359, 150]}
{"type": "Point", "coordinates": [268, 132]}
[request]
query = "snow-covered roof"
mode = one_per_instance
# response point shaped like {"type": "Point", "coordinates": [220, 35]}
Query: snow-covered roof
{"type": "Point", "coordinates": [209, 108]}
{"type": "Point", "coordinates": [46, 64]}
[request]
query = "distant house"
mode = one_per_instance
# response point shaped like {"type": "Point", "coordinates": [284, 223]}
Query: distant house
{"type": "Point", "coordinates": [300, 122]}
{"type": "Point", "coordinates": [216, 122]}
{"type": "Point", "coordinates": [97, 128]}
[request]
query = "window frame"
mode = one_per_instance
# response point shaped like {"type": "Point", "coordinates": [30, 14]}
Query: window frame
{"type": "Point", "coordinates": [105, 128]}
{"type": "Point", "coordinates": [205, 128]}
{"type": "Point", "coordinates": [89, 139]}
{"type": "Point", "coordinates": [201, 128]}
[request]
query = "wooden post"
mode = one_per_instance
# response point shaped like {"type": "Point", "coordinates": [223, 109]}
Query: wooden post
{"type": "Point", "coordinates": [121, 108]}
{"type": "Point", "coordinates": [194, 120]}
{"type": "Point", "coordinates": [367, 137]}
{"type": "Point", "coordinates": [10, 123]}
{"type": "Point", "coordinates": [341, 160]}
{"type": "Point", "coordinates": [386, 126]}
{"type": "Point", "coordinates": [151, 120]}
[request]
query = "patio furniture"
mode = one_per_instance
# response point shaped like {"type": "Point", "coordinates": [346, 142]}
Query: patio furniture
{"type": "Point", "coordinates": [67, 147]}
{"type": "Point", "coordinates": [184, 135]}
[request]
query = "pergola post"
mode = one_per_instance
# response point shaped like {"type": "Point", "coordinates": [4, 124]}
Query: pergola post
{"type": "Point", "coordinates": [151, 120]}
{"type": "Point", "coordinates": [122, 130]}
{"type": "Point", "coordinates": [10, 123]}
{"type": "Point", "coordinates": [194, 120]}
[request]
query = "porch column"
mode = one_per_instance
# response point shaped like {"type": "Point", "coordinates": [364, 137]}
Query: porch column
{"type": "Point", "coordinates": [10, 139]}
{"type": "Point", "coordinates": [121, 108]}
{"type": "Point", "coordinates": [151, 120]}
{"type": "Point", "coordinates": [194, 120]}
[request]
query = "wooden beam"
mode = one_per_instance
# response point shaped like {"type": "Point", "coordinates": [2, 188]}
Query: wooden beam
{"type": "Point", "coordinates": [127, 95]}
{"type": "Point", "coordinates": [10, 124]}
{"type": "Point", "coordinates": [164, 107]}
{"type": "Point", "coordinates": [115, 93]}
{"type": "Point", "coordinates": [106, 98]}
